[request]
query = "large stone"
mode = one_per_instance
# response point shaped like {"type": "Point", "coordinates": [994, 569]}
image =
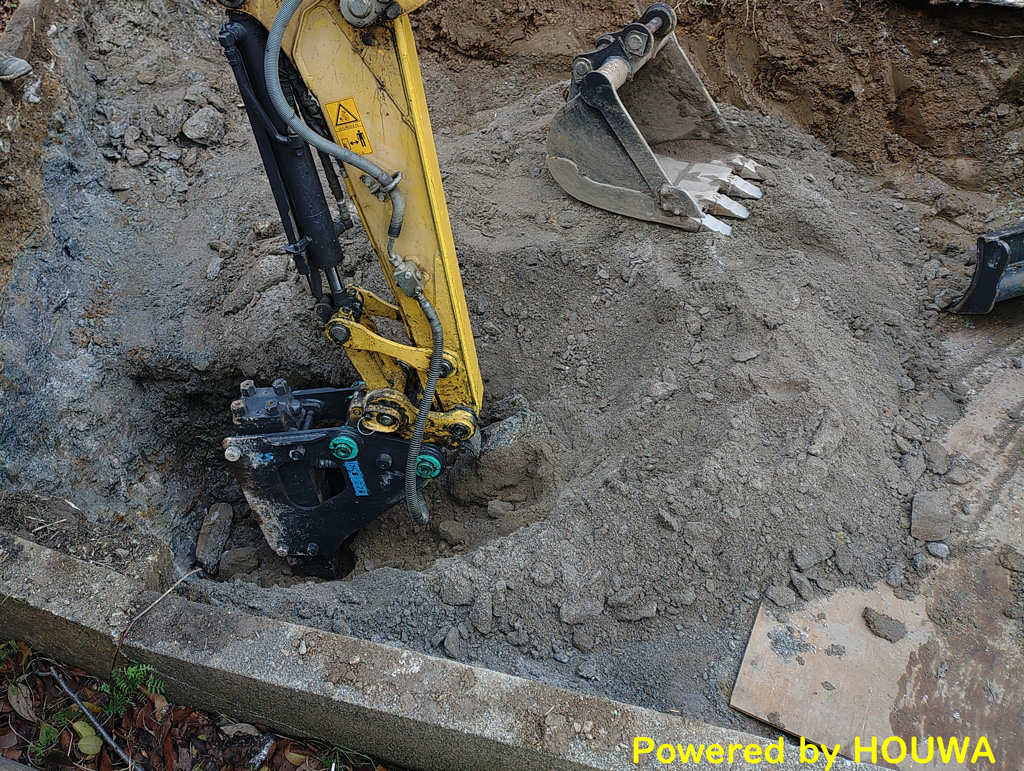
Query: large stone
{"type": "Point", "coordinates": [930, 516]}
{"type": "Point", "coordinates": [205, 127]}
{"type": "Point", "coordinates": [780, 595]}
{"type": "Point", "coordinates": [453, 532]}
{"type": "Point", "coordinates": [235, 561]}
{"type": "Point", "coordinates": [212, 536]}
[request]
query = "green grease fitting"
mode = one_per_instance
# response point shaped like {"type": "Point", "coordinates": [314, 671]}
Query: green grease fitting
{"type": "Point", "coordinates": [427, 467]}
{"type": "Point", "coordinates": [344, 447]}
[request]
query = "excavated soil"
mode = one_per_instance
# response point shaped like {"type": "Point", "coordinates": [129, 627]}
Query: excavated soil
{"type": "Point", "coordinates": [730, 418]}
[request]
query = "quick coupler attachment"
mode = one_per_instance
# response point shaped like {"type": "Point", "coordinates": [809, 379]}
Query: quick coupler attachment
{"type": "Point", "coordinates": [639, 134]}
{"type": "Point", "coordinates": [311, 477]}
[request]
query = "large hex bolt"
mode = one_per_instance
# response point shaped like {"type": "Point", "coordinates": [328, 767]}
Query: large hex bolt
{"type": "Point", "coordinates": [248, 388]}
{"type": "Point", "coordinates": [360, 8]}
{"type": "Point", "coordinates": [581, 67]}
{"type": "Point", "coordinates": [232, 454]}
{"type": "Point", "coordinates": [635, 43]}
{"type": "Point", "coordinates": [338, 333]}
{"type": "Point", "coordinates": [280, 386]}
{"type": "Point", "coordinates": [427, 466]}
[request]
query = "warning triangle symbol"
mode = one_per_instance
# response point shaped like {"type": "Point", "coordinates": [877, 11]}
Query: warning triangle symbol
{"type": "Point", "coordinates": [344, 117]}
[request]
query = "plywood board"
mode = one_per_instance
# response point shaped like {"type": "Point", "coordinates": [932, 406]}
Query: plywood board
{"type": "Point", "coordinates": [821, 674]}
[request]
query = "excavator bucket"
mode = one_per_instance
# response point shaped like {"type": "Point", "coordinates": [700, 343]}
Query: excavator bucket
{"type": "Point", "coordinates": [639, 134]}
{"type": "Point", "coordinates": [998, 274]}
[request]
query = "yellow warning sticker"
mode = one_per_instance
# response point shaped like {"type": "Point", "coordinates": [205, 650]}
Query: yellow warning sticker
{"type": "Point", "coordinates": [348, 126]}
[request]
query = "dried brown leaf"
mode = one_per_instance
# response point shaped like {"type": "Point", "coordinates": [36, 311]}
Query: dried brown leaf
{"type": "Point", "coordinates": [21, 700]}
{"type": "Point", "coordinates": [233, 730]}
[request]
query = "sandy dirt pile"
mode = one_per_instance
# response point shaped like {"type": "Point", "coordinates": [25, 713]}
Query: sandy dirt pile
{"type": "Point", "coordinates": [730, 418]}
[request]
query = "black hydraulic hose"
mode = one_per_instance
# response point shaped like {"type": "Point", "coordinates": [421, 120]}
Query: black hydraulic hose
{"type": "Point", "coordinates": [271, 63]}
{"type": "Point", "coordinates": [413, 500]}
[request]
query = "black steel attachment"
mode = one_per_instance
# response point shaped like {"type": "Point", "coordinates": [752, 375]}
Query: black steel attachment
{"type": "Point", "coordinates": [311, 477]}
{"type": "Point", "coordinates": [998, 274]}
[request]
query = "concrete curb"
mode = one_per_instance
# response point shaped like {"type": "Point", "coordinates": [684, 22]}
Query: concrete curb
{"type": "Point", "coordinates": [28, 19]}
{"type": "Point", "coordinates": [403, 707]}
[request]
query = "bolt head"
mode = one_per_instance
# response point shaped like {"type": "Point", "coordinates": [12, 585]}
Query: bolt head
{"type": "Point", "coordinates": [280, 386]}
{"type": "Point", "coordinates": [386, 420]}
{"type": "Point", "coordinates": [313, 549]}
{"type": "Point", "coordinates": [338, 333]}
{"type": "Point", "coordinates": [282, 552]}
{"type": "Point", "coordinates": [248, 388]}
{"type": "Point", "coordinates": [581, 67]}
{"type": "Point", "coordinates": [359, 8]}
{"type": "Point", "coordinates": [232, 454]}
{"type": "Point", "coordinates": [344, 447]}
{"type": "Point", "coordinates": [296, 453]}
{"type": "Point", "coordinates": [635, 43]}
{"type": "Point", "coordinates": [427, 467]}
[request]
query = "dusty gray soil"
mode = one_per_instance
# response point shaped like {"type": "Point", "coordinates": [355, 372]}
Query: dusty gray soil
{"type": "Point", "coordinates": [730, 417]}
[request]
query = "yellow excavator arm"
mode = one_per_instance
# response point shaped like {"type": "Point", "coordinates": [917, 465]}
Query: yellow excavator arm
{"type": "Point", "coordinates": [367, 83]}
{"type": "Point", "coordinates": [639, 135]}
{"type": "Point", "coordinates": [340, 81]}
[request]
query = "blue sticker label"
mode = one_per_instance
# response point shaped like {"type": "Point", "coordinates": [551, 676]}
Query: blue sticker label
{"type": "Point", "coordinates": [355, 476]}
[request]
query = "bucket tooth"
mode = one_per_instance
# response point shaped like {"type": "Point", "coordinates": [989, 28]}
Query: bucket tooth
{"type": "Point", "coordinates": [638, 121]}
{"type": "Point", "coordinates": [712, 201]}
{"type": "Point", "coordinates": [729, 183]}
{"type": "Point", "coordinates": [748, 169]}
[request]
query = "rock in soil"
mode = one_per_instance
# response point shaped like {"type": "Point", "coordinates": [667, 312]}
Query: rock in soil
{"type": "Point", "coordinates": [235, 561]}
{"type": "Point", "coordinates": [886, 627]}
{"type": "Point", "coordinates": [205, 127]}
{"type": "Point", "coordinates": [213, 534]}
{"type": "Point", "coordinates": [931, 516]}
{"type": "Point", "coordinates": [938, 549]}
{"type": "Point", "coordinates": [780, 595]}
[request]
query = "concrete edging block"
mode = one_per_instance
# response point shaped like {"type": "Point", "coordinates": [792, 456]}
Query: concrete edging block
{"type": "Point", "coordinates": [407, 708]}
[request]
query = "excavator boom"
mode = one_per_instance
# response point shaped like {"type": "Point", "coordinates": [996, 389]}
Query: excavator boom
{"type": "Point", "coordinates": [341, 83]}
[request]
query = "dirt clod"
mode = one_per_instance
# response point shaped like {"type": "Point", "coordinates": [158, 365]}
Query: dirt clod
{"type": "Point", "coordinates": [931, 516]}
{"type": "Point", "coordinates": [886, 627]}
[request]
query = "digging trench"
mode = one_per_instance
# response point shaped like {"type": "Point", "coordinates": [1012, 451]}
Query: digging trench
{"type": "Point", "coordinates": [729, 418]}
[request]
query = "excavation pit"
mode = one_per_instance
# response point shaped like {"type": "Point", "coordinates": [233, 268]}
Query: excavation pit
{"type": "Point", "coordinates": [730, 419]}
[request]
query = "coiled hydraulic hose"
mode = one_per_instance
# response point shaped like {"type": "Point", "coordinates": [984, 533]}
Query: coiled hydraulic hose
{"type": "Point", "coordinates": [389, 186]}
